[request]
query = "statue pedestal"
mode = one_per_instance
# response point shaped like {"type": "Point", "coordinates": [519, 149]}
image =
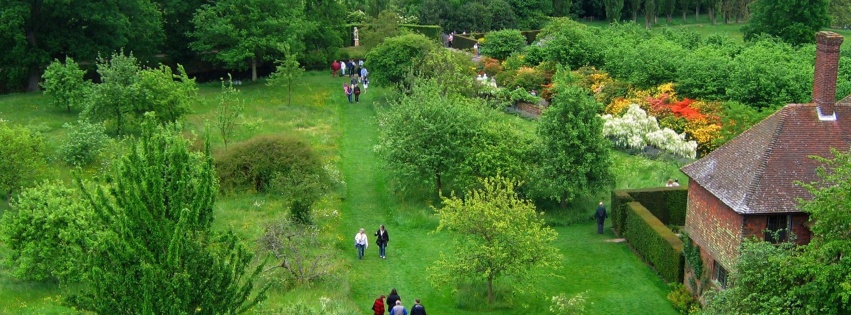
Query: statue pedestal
{"type": "Point", "coordinates": [357, 42]}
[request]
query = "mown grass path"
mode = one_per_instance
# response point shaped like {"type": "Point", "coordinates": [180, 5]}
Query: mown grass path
{"type": "Point", "coordinates": [616, 280]}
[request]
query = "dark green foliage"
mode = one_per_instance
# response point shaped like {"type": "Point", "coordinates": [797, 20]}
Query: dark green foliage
{"type": "Point", "coordinates": [654, 241]}
{"type": "Point", "coordinates": [474, 17]}
{"type": "Point", "coordinates": [691, 252]}
{"type": "Point", "coordinates": [379, 28]}
{"type": "Point", "coordinates": [430, 31]}
{"type": "Point", "coordinates": [617, 214]}
{"type": "Point", "coordinates": [504, 17]}
{"type": "Point", "coordinates": [794, 21]}
{"type": "Point", "coordinates": [255, 164]}
{"type": "Point", "coordinates": [322, 34]}
{"type": "Point", "coordinates": [647, 63]}
{"type": "Point", "coordinates": [48, 233]}
{"type": "Point", "coordinates": [390, 62]}
{"type": "Point", "coordinates": [501, 44]}
{"type": "Point", "coordinates": [704, 73]}
{"type": "Point", "coordinates": [84, 144]}
{"type": "Point", "coordinates": [574, 157]}
{"type": "Point", "coordinates": [158, 254]}
{"type": "Point", "coordinates": [667, 204]}
{"type": "Point", "coordinates": [531, 14]}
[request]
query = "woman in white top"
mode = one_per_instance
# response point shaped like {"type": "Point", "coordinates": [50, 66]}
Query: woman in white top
{"type": "Point", "coordinates": [361, 243]}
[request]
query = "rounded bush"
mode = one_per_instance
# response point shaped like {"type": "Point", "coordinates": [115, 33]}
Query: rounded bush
{"type": "Point", "coordinates": [255, 164]}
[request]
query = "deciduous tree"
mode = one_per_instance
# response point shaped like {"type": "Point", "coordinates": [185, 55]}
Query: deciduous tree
{"type": "Point", "coordinates": [574, 156]}
{"type": "Point", "coordinates": [24, 158]}
{"type": "Point", "coordinates": [244, 33]}
{"type": "Point", "coordinates": [229, 110]}
{"type": "Point", "coordinates": [64, 84]}
{"type": "Point", "coordinates": [497, 234]}
{"type": "Point", "coordinates": [392, 60]}
{"type": "Point", "coordinates": [794, 21]}
{"type": "Point", "coordinates": [286, 74]}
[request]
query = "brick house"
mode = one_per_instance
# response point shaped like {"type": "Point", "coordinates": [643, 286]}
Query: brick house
{"type": "Point", "coordinates": [747, 187]}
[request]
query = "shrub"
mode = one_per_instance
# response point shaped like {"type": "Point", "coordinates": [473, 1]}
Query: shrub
{"type": "Point", "coordinates": [501, 44]}
{"type": "Point", "coordinates": [654, 241]}
{"type": "Point", "coordinates": [681, 299]}
{"type": "Point", "coordinates": [254, 164]}
{"type": "Point", "coordinates": [636, 129]}
{"type": "Point", "coordinates": [47, 233]}
{"type": "Point", "coordinates": [570, 43]}
{"type": "Point", "coordinates": [392, 60]}
{"type": "Point", "coordinates": [666, 204]}
{"type": "Point", "coordinates": [528, 79]}
{"type": "Point", "coordinates": [84, 144]}
{"type": "Point", "coordinates": [23, 158]}
{"type": "Point", "coordinates": [785, 75]}
{"type": "Point", "coordinates": [64, 84]}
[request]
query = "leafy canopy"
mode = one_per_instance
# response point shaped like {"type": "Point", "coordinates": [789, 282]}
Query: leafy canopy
{"type": "Point", "coordinates": [794, 21]}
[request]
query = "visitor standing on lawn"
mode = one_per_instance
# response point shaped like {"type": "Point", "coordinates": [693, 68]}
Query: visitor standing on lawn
{"type": "Point", "coordinates": [357, 93]}
{"type": "Point", "coordinates": [418, 309]}
{"type": "Point", "coordinates": [381, 239]}
{"type": "Point", "coordinates": [348, 91]}
{"type": "Point", "coordinates": [361, 243]}
{"type": "Point", "coordinates": [392, 298]}
{"type": "Point", "coordinates": [601, 216]}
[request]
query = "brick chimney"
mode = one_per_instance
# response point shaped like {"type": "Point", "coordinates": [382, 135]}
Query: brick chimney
{"type": "Point", "coordinates": [827, 65]}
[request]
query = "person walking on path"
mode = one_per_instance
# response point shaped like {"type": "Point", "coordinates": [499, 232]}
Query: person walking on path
{"type": "Point", "coordinates": [342, 67]}
{"type": "Point", "coordinates": [601, 216]}
{"type": "Point", "coordinates": [361, 243]}
{"type": "Point", "coordinates": [378, 306]}
{"type": "Point", "coordinates": [335, 66]}
{"type": "Point", "coordinates": [418, 309]}
{"type": "Point", "coordinates": [392, 298]}
{"type": "Point", "coordinates": [381, 239]}
{"type": "Point", "coordinates": [398, 309]}
{"type": "Point", "coordinates": [357, 93]}
{"type": "Point", "coordinates": [348, 91]}
{"type": "Point", "coordinates": [363, 72]}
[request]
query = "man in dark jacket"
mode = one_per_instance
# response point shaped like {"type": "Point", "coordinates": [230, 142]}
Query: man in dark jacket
{"type": "Point", "coordinates": [418, 309]}
{"type": "Point", "coordinates": [601, 216]}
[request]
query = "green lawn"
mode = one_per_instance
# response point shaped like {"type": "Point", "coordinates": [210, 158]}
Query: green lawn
{"type": "Point", "coordinates": [344, 134]}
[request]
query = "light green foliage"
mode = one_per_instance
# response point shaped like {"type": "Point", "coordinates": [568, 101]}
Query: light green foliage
{"type": "Point", "coordinates": [248, 30]}
{"type": "Point", "coordinates": [646, 63]}
{"type": "Point", "coordinates": [564, 305]}
{"type": "Point", "coordinates": [737, 118]}
{"type": "Point", "coordinates": [229, 111]}
{"type": "Point", "coordinates": [575, 158]}
{"type": "Point", "coordinates": [764, 283]}
{"type": "Point", "coordinates": [827, 256]}
{"type": "Point", "coordinates": [500, 147]}
{"type": "Point", "coordinates": [48, 233]}
{"type": "Point", "coordinates": [286, 74]}
{"type": "Point", "coordinates": [497, 235]}
{"type": "Point", "coordinates": [452, 69]}
{"type": "Point", "coordinates": [501, 44]}
{"type": "Point", "coordinates": [771, 73]}
{"type": "Point", "coordinates": [570, 43]}
{"type": "Point", "coordinates": [85, 143]}
{"type": "Point", "coordinates": [168, 94]}
{"type": "Point", "coordinates": [425, 137]}
{"type": "Point", "coordinates": [682, 300]}
{"type": "Point", "coordinates": [24, 158]}
{"type": "Point", "coordinates": [113, 100]}
{"type": "Point", "coordinates": [127, 92]}
{"type": "Point", "coordinates": [793, 21]}
{"type": "Point", "coordinates": [390, 62]}
{"type": "Point", "coordinates": [64, 84]}
{"type": "Point", "coordinates": [158, 254]}
{"type": "Point", "coordinates": [379, 28]}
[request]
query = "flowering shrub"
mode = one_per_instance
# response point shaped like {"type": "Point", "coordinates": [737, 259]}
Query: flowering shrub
{"type": "Point", "coordinates": [514, 62]}
{"type": "Point", "coordinates": [575, 305]}
{"type": "Point", "coordinates": [491, 66]}
{"type": "Point", "coordinates": [636, 129]}
{"type": "Point", "coordinates": [528, 79]}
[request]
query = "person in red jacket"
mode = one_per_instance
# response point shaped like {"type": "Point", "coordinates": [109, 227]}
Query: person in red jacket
{"type": "Point", "coordinates": [335, 66]}
{"type": "Point", "coordinates": [378, 306]}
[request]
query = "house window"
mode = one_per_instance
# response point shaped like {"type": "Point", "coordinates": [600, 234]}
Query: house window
{"type": "Point", "coordinates": [777, 229]}
{"type": "Point", "coordinates": [719, 274]}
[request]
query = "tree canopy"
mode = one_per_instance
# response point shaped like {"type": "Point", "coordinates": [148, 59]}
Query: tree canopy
{"type": "Point", "coordinates": [794, 21]}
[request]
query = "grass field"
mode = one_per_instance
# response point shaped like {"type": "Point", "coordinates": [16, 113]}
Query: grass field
{"type": "Point", "coordinates": [616, 281]}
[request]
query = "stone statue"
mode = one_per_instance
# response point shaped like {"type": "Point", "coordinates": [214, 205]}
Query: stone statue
{"type": "Point", "coordinates": [357, 40]}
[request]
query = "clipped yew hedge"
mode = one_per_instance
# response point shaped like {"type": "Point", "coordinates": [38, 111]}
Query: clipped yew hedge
{"type": "Point", "coordinates": [654, 241]}
{"type": "Point", "coordinates": [618, 214]}
{"type": "Point", "coordinates": [667, 204]}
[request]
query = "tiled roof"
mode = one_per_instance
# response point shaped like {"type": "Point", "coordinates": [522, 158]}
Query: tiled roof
{"type": "Point", "coordinates": [755, 173]}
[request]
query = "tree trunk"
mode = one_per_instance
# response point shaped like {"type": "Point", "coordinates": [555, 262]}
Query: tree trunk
{"type": "Point", "coordinates": [253, 69]}
{"type": "Point", "coordinates": [712, 16]}
{"type": "Point", "coordinates": [439, 184]}
{"type": "Point", "coordinates": [685, 16]}
{"type": "Point", "coordinates": [490, 289]}
{"type": "Point", "coordinates": [564, 200]}
{"type": "Point", "coordinates": [669, 17]}
{"type": "Point", "coordinates": [697, 11]}
{"type": "Point", "coordinates": [34, 71]}
{"type": "Point", "coordinates": [634, 16]}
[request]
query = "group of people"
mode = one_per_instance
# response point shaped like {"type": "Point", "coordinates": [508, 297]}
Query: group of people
{"type": "Point", "coordinates": [673, 183]}
{"type": "Point", "coordinates": [381, 239]}
{"type": "Point", "coordinates": [358, 77]}
{"type": "Point", "coordinates": [394, 305]}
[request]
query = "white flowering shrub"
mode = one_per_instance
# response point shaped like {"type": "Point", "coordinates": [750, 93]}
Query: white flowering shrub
{"type": "Point", "coordinates": [635, 129]}
{"type": "Point", "coordinates": [564, 305]}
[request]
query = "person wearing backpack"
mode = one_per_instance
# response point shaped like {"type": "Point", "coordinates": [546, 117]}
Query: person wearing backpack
{"type": "Point", "coordinates": [357, 94]}
{"type": "Point", "coordinates": [418, 309]}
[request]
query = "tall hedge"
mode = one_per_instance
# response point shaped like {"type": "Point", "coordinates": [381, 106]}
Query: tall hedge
{"type": "Point", "coordinates": [618, 214]}
{"type": "Point", "coordinates": [667, 204]}
{"type": "Point", "coordinates": [654, 242]}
